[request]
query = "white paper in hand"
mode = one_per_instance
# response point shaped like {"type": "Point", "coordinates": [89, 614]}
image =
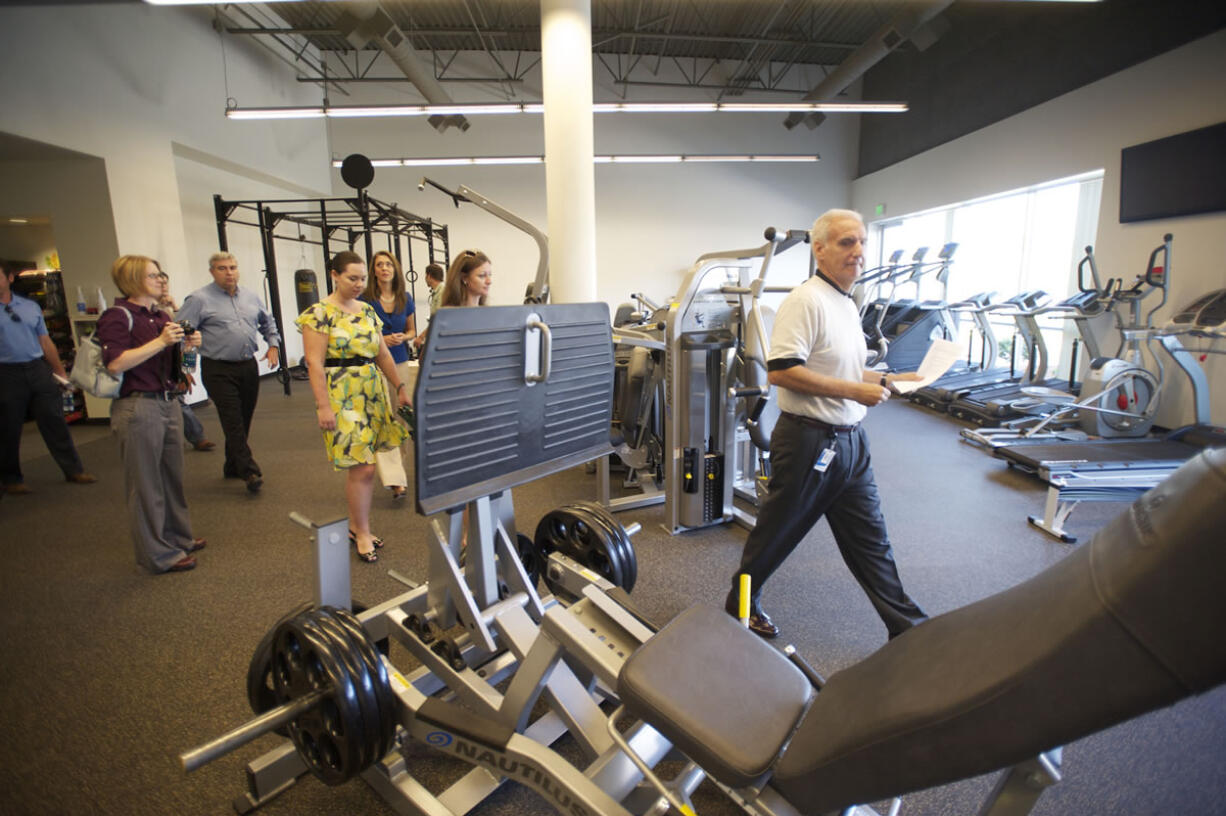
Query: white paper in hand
{"type": "Point", "coordinates": [941, 355]}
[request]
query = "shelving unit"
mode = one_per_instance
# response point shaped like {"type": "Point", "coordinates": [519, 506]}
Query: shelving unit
{"type": "Point", "coordinates": [46, 288]}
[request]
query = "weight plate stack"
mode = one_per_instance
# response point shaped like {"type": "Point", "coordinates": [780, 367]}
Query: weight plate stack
{"type": "Point", "coordinates": [591, 537]}
{"type": "Point", "coordinates": [327, 650]}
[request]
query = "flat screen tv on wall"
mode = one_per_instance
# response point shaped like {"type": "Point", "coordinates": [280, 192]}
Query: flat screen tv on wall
{"type": "Point", "coordinates": [1179, 175]}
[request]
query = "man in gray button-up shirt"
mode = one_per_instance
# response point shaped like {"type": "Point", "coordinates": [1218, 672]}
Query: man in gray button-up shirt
{"type": "Point", "coordinates": [230, 318]}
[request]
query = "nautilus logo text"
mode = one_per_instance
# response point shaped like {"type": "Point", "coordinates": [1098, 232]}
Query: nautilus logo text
{"type": "Point", "coordinates": [439, 739]}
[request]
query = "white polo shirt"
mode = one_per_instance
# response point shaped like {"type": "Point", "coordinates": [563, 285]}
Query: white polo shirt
{"type": "Point", "coordinates": [820, 325]}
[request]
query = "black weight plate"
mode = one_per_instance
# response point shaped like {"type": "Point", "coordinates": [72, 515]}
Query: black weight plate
{"type": "Point", "coordinates": [303, 662]}
{"type": "Point", "coordinates": [599, 544]}
{"type": "Point", "coordinates": [369, 649]}
{"type": "Point", "coordinates": [617, 539]}
{"type": "Point", "coordinates": [338, 727]}
{"type": "Point", "coordinates": [350, 653]}
{"type": "Point", "coordinates": [533, 557]}
{"type": "Point", "coordinates": [552, 532]}
{"type": "Point", "coordinates": [260, 692]}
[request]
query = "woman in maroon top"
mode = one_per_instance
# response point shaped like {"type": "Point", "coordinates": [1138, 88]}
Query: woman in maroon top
{"type": "Point", "coordinates": [138, 340]}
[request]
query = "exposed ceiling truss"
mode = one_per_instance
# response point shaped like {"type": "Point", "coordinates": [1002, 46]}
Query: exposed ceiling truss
{"type": "Point", "coordinates": [729, 48]}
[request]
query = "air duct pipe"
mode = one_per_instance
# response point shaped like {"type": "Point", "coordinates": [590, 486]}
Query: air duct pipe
{"type": "Point", "coordinates": [362, 23]}
{"type": "Point", "coordinates": [876, 48]}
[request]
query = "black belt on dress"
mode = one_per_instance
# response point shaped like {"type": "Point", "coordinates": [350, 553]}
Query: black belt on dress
{"type": "Point", "coordinates": [158, 395]}
{"type": "Point", "coordinates": [347, 362]}
{"type": "Point", "coordinates": [817, 423]}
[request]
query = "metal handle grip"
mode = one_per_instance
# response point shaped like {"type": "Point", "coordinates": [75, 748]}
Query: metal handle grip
{"type": "Point", "coordinates": [546, 351]}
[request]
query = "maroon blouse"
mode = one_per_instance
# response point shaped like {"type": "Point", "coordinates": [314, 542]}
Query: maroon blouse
{"type": "Point", "coordinates": [154, 374]}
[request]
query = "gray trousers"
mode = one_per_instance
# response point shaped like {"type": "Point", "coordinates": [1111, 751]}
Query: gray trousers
{"type": "Point", "coordinates": [150, 433]}
{"type": "Point", "coordinates": [846, 494]}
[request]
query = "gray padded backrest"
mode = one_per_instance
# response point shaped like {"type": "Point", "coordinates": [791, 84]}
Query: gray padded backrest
{"type": "Point", "coordinates": [481, 428]}
{"type": "Point", "coordinates": [756, 353]}
{"type": "Point", "coordinates": [1129, 622]}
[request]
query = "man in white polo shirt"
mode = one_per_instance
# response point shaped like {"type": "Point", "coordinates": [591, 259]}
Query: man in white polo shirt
{"type": "Point", "coordinates": [820, 463]}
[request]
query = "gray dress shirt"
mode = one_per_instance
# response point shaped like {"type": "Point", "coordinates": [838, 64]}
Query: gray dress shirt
{"type": "Point", "coordinates": [229, 324]}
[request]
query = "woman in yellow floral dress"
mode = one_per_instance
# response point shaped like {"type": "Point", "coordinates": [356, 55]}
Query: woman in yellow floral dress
{"type": "Point", "coordinates": [342, 340]}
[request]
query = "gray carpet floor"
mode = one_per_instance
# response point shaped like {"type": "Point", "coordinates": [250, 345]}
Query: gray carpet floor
{"type": "Point", "coordinates": [107, 673]}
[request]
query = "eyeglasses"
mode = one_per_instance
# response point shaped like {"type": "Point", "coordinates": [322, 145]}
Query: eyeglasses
{"type": "Point", "coordinates": [13, 316]}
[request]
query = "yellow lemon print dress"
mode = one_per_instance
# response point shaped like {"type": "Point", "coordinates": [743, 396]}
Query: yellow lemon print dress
{"type": "Point", "coordinates": [364, 421]}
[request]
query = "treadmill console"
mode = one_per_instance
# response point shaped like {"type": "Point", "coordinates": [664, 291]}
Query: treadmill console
{"type": "Point", "coordinates": [1206, 312]}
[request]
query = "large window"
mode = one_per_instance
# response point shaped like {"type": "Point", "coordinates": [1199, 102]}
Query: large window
{"type": "Point", "coordinates": [1008, 243]}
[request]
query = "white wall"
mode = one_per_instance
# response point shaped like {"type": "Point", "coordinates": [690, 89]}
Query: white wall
{"type": "Point", "coordinates": [125, 82]}
{"type": "Point", "coordinates": [652, 220]}
{"type": "Point", "coordinates": [1085, 130]}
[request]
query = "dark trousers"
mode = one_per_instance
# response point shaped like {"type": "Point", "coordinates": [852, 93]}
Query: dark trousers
{"type": "Point", "coordinates": [234, 389]}
{"type": "Point", "coordinates": [846, 494]}
{"type": "Point", "coordinates": [26, 385]}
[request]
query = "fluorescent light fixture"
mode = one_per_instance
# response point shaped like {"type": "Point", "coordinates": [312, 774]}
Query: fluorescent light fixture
{"type": "Point", "coordinates": [278, 113]}
{"type": "Point", "coordinates": [357, 111]}
{"type": "Point", "coordinates": [19, 220]}
{"type": "Point", "coordinates": [655, 107]}
{"type": "Point", "coordinates": [675, 158]}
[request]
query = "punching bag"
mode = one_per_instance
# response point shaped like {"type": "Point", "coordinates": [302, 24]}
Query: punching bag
{"type": "Point", "coordinates": [306, 288]}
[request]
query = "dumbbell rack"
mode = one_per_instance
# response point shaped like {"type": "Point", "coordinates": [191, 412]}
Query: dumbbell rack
{"type": "Point", "coordinates": [535, 383]}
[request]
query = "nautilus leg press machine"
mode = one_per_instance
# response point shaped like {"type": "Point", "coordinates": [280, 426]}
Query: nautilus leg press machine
{"type": "Point", "coordinates": [1126, 624]}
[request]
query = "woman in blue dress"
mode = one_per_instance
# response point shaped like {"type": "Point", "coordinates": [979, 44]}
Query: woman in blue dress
{"type": "Point", "coordinates": [385, 291]}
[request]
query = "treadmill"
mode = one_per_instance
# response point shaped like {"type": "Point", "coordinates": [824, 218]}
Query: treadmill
{"type": "Point", "coordinates": [992, 405]}
{"type": "Point", "coordinates": [909, 334]}
{"type": "Point", "coordinates": [939, 395]}
{"type": "Point", "coordinates": [1205, 318]}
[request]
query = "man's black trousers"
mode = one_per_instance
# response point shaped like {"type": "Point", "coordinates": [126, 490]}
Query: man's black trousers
{"type": "Point", "coordinates": [25, 386]}
{"type": "Point", "coordinates": [846, 494]}
{"type": "Point", "coordinates": [234, 389]}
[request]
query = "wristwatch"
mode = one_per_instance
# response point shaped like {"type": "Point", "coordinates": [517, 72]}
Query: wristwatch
{"type": "Point", "coordinates": [885, 380]}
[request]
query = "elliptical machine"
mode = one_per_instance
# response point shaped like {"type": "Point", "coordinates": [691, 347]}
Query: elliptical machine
{"type": "Point", "coordinates": [1119, 396]}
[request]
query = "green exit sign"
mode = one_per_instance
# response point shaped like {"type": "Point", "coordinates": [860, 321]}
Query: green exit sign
{"type": "Point", "coordinates": [879, 209]}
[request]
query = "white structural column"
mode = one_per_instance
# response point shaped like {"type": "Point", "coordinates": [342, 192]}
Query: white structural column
{"type": "Point", "coordinates": [570, 182]}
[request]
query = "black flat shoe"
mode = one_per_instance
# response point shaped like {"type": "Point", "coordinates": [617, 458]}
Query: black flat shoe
{"type": "Point", "coordinates": [353, 539]}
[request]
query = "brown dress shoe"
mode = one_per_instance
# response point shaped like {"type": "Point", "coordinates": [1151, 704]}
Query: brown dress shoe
{"type": "Point", "coordinates": [183, 564]}
{"type": "Point", "coordinates": [196, 545]}
{"type": "Point", "coordinates": [17, 489]}
{"type": "Point", "coordinates": [82, 478]}
{"type": "Point", "coordinates": [204, 445]}
{"type": "Point", "coordinates": [759, 622]}
{"type": "Point", "coordinates": [762, 626]}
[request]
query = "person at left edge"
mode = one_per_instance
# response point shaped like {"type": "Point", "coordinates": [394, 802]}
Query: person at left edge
{"type": "Point", "coordinates": [28, 361]}
{"type": "Point", "coordinates": [231, 320]}
{"type": "Point", "coordinates": [146, 418]}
